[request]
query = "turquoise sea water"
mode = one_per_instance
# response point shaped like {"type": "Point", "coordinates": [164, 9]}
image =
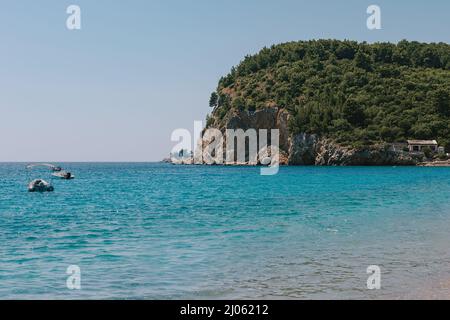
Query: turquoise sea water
{"type": "Point", "coordinates": [158, 231]}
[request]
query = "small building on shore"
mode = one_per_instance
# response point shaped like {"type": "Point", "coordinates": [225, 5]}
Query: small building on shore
{"type": "Point", "coordinates": [420, 145]}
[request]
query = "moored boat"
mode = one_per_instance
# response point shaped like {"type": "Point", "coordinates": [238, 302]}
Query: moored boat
{"type": "Point", "coordinates": [39, 185]}
{"type": "Point", "coordinates": [63, 175]}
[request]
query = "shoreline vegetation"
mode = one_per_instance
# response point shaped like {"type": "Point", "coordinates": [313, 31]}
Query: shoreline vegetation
{"type": "Point", "coordinates": [342, 103]}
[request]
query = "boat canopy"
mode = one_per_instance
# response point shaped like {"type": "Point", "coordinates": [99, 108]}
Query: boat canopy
{"type": "Point", "coordinates": [48, 165]}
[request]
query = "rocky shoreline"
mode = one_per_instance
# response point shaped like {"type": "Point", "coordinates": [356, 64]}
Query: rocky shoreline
{"type": "Point", "coordinates": [310, 149]}
{"type": "Point", "coordinates": [445, 163]}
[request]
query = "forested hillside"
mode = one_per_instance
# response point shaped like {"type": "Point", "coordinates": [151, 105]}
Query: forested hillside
{"type": "Point", "coordinates": [356, 93]}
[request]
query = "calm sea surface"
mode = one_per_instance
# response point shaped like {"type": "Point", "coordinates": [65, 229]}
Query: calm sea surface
{"type": "Point", "coordinates": [158, 231]}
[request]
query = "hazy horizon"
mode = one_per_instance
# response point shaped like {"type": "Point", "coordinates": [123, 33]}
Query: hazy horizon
{"type": "Point", "coordinates": [116, 89]}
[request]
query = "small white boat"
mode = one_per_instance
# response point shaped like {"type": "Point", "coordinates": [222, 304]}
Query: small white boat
{"type": "Point", "coordinates": [40, 185]}
{"type": "Point", "coordinates": [63, 175]}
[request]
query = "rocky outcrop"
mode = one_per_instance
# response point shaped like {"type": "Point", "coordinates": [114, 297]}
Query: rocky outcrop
{"type": "Point", "coordinates": [303, 149]}
{"type": "Point", "coordinates": [267, 118]}
{"type": "Point", "coordinates": [310, 149]}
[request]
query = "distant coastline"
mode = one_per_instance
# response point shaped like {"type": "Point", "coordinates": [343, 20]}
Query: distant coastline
{"type": "Point", "coordinates": [190, 161]}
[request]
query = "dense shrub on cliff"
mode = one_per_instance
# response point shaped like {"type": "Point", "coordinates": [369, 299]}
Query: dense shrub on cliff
{"type": "Point", "coordinates": [357, 93]}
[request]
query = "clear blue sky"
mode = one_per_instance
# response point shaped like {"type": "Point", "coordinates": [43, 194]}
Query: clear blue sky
{"type": "Point", "coordinates": [115, 90]}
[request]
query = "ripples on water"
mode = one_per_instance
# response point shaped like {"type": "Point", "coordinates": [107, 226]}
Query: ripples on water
{"type": "Point", "coordinates": [156, 231]}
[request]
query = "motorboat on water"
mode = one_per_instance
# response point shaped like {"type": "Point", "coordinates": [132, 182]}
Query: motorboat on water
{"type": "Point", "coordinates": [63, 175]}
{"type": "Point", "coordinates": [39, 185]}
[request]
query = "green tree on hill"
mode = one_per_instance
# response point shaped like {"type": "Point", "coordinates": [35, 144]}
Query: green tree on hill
{"type": "Point", "coordinates": [213, 100]}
